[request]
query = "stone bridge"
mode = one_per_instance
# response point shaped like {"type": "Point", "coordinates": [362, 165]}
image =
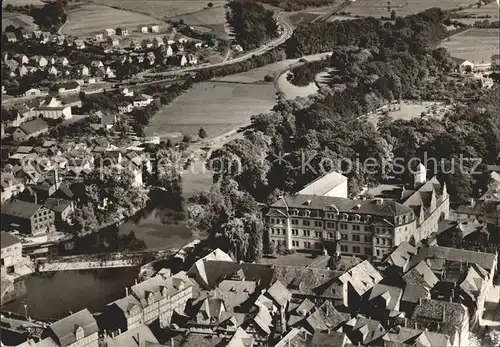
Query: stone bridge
{"type": "Point", "coordinates": [100, 261]}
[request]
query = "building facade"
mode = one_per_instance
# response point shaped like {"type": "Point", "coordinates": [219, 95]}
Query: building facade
{"type": "Point", "coordinates": [362, 228]}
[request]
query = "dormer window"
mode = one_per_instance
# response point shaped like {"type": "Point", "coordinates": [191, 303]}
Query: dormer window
{"type": "Point", "coordinates": [79, 333]}
{"type": "Point", "coordinates": [150, 298]}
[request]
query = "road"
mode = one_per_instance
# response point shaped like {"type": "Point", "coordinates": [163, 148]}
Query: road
{"type": "Point", "coordinates": [333, 11]}
{"type": "Point", "coordinates": [286, 33]}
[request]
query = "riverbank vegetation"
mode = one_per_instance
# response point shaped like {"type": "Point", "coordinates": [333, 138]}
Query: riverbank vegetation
{"type": "Point", "coordinates": [290, 146]}
{"type": "Point", "coordinates": [253, 25]}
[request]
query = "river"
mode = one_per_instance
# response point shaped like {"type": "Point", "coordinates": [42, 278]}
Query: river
{"type": "Point", "coordinates": [53, 295]}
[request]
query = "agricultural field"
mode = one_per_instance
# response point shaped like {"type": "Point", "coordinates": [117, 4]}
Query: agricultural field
{"type": "Point", "coordinates": [22, 3]}
{"type": "Point", "coordinates": [378, 8]}
{"type": "Point", "coordinates": [18, 20]}
{"type": "Point", "coordinates": [218, 107]}
{"type": "Point", "coordinates": [299, 18]}
{"type": "Point", "coordinates": [162, 9]}
{"type": "Point", "coordinates": [213, 19]}
{"type": "Point", "coordinates": [490, 10]}
{"type": "Point", "coordinates": [475, 45]}
{"type": "Point", "coordinates": [86, 20]}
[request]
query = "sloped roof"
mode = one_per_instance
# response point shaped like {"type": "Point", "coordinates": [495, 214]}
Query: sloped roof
{"type": "Point", "coordinates": [126, 304]}
{"type": "Point", "coordinates": [450, 315]}
{"type": "Point", "coordinates": [422, 275]}
{"type": "Point", "coordinates": [401, 255]}
{"type": "Point", "coordinates": [280, 294]}
{"type": "Point", "coordinates": [485, 260]}
{"type": "Point", "coordinates": [386, 208]}
{"type": "Point", "coordinates": [137, 337]}
{"type": "Point", "coordinates": [8, 240]}
{"type": "Point", "coordinates": [323, 184]}
{"type": "Point", "coordinates": [65, 329]}
{"type": "Point", "coordinates": [362, 277]}
{"type": "Point", "coordinates": [33, 126]}
{"type": "Point", "coordinates": [21, 209]}
{"type": "Point", "coordinates": [392, 295]}
{"type": "Point", "coordinates": [326, 317]}
{"type": "Point", "coordinates": [414, 292]}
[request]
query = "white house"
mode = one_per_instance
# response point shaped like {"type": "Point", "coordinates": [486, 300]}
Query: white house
{"type": "Point", "coordinates": [109, 32]}
{"type": "Point", "coordinates": [142, 100]}
{"type": "Point", "coordinates": [53, 108]}
{"type": "Point", "coordinates": [143, 28]}
{"type": "Point", "coordinates": [24, 59]}
{"type": "Point", "coordinates": [463, 65]}
{"type": "Point", "coordinates": [79, 44]}
{"type": "Point", "coordinates": [155, 28]}
{"type": "Point", "coordinates": [158, 42]}
{"type": "Point", "coordinates": [53, 71]}
{"type": "Point", "coordinates": [99, 37]}
{"type": "Point", "coordinates": [169, 52]}
{"type": "Point", "coordinates": [40, 61]}
{"type": "Point", "coordinates": [121, 32]}
{"type": "Point", "coordinates": [33, 92]}
{"type": "Point", "coordinates": [113, 41]}
{"type": "Point", "coordinates": [71, 87]}
{"type": "Point", "coordinates": [126, 92]}
{"type": "Point", "coordinates": [84, 71]}
{"type": "Point", "coordinates": [11, 37]}
{"type": "Point", "coordinates": [63, 61]}
{"type": "Point", "coordinates": [23, 71]}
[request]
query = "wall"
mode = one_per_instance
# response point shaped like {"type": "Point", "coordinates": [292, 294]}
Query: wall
{"type": "Point", "coordinates": [86, 264]}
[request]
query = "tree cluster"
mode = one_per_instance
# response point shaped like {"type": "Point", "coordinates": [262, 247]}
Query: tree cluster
{"type": "Point", "coordinates": [51, 16]}
{"type": "Point", "coordinates": [253, 25]}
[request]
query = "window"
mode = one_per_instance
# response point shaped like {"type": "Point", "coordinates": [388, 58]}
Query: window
{"type": "Point", "coordinates": [344, 248]}
{"type": "Point", "coordinates": [295, 232]}
{"type": "Point", "coordinates": [330, 235]}
{"type": "Point", "coordinates": [272, 231]}
{"type": "Point", "coordinates": [343, 236]}
{"type": "Point", "coordinates": [356, 237]}
{"type": "Point", "coordinates": [368, 238]}
{"type": "Point", "coordinates": [295, 243]}
{"type": "Point", "coordinates": [330, 225]}
{"type": "Point", "coordinates": [317, 245]}
{"type": "Point", "coordinates": [307, 245]}
{"type": "Point", "coordinates": [378, 252]}
{"type": "Point", "coordinates": [368, 251]}
{"type": "Point", "coordinates": [272, 220]}
{"type": "Point", "coordinates": [318, 234]}
{"type": "Point", "coordinates": [367, 228]}
{"type": "Point", "coordinates": [355, 249]}
{"type": "Point", "coordinates": [307, 233]}
{"type": "Point", "coordinates": [306, 222]}
{"type": "Point", "coordinates": [317, 223]}
{"type": "Point", "coordinates": [295, 221]}
{"type": "Point", "coordinates": [356, 227]}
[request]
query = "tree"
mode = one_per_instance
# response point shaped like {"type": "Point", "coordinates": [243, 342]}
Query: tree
{"type": "Point", "coordinates": [393, 15]}
{"type": "Point", "coordinates": [202, 133]}
{"type": "Point", "coordinates": [271, 248]}
{"type": "Point", "coordinates": [210, 5]}
{"type": "Point", "coordinates": [187, 138]}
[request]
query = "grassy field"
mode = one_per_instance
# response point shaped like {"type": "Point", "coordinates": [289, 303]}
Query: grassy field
{"type": "Point", "coordinates": [476, 45]}
{"type": "Point", "coordinates": [22, 3]}
{"type": "Point", "coordinates": [86, 20]}
{"type": "Point", "coordinates": [485, 10]}
{"type": "Point", "coordinates": [216, 106]}
{"type": "Point", "coordinates": [291, 91]}
{"type": "Point", "coordinates": [212, 18]}
{"type": "Point", "coordinates": [299, 18]}
{"type": "Point", "coordinates": [378, 8]}
{"type": "Point", "coordinates": [411, 110]}
{"type": "Point", "coordinates": [161, 8]}
{"type": "Point", "coordinates": [18, 20]}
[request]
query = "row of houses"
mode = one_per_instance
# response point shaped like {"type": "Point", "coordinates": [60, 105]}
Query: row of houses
{"type": "Point", "coordinates": [44, 37]}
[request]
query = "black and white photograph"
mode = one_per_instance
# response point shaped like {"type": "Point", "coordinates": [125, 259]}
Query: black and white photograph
{"type": "Point", "coordinates": [250, 173]}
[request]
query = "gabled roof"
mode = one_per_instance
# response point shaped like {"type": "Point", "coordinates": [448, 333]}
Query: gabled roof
{"type": "Point", "coordinates": [21, 209]}
{"type": "Point", "coordinates": [370, 330]}
{"type": "Point", "coordinates": [391, 295]}
{"type": "Point", "coordinates": [450, 315]}
{"type": "Point", "coordinates": [33, 126]}
{"type": "Point", "coordinates": [361, 277]}
{"type": "Point", "coordinates": [137, 337]}
{"type": "Point", "coordinates": [280, 294]}
{"type": "Point", "coordinates": [126, 304]}
{"type": "Point", "coordinates": [7, 240]}
{"type": "Point", "coordinates": [323, 184]}
{"type": "Point", "coordinates": [401, 255]}
{"type": "Point", "coordinates": [414, 292]}
{"type": "Point", "coordinates": [485, 260]}
{"type": "Point", "coordinates": [421, 275]}
{"type": "Point", "coordinates": [65, 329]}
{"type": "Point", "coordinates": [326, 317]}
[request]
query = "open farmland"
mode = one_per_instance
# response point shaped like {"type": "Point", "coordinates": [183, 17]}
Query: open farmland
{"type": "Point", "coordinates": [378, 8]}
{"type": "Point", "coordinates": [86, 20]}
{"type": "Point", "coordinates": [22, 3]}
{"type": "Point", "coordinates": [489, 10]}
{"type": "Point", "coordinates": [213, 19]}
{"type": "Point", "coordinates": [475, 45]}
{"type": "Point", "coordinates": [161, 9]}
{"type": "Point", "coordinates": [218, 107]}
{"type": "Point", "coordinates": [18, 20]}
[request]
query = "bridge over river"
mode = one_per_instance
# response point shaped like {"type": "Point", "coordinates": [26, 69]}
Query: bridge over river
{"type": "Point", "coordinates": [101, 261]}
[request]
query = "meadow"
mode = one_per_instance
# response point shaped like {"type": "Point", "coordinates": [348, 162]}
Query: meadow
{"type": "Point", "coordinates": [378, 8]}
{"type": "Point", "coordinates": [218, 107]}
{"type": "Point", "coordinates": [475, 45]}
{"type": "Point", "coordinates": [213, 19]}
{"type": "Point", "coordinates": [86, 20]}
{"type": "Point", "coordinates": [18, 20]}
{"type": "Point", "coordinates": [161, 9]}
{"type": "Point", "coordinates": [22, 3]}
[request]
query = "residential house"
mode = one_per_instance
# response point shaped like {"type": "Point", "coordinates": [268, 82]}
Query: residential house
{"type": "Point", "coordinates": [30, 129]}
{"type": "Point", "coordinates": [177, 60]}
{"type": "Point", "coordinates": [109, 32]}
{"type": "Point", "coordinates": [37, 34]}
{"type": "Point", "coordinates": [62, 208]}
{"type": "Point", "coordinates": [53, 108]}
{"type": "Point", "coordinates": [401, 336]}
{"type": "Point", "coordinates": [483, 211]}
{"type": "Point", "coordinates": [126, 92]}
{"type": "Point", "coordinates": [168, 51]}
{"type": "Point", "coordinates": [467, 234]}
{"type": "Point", "coordinates": [192, 59]}
{"type": "Point", "coordinates": [161, 296]}
{"type": "Point", "coordinates": [23, 59]}
{"type": "Point", "coordinates": [151, 58]}
{"type": "Point", "coordinates": [123, 314]}
{"type": "Point", "coordinates": [79, 44]}
{"type": "Point", "coordinates": [11, 37]}
{"type": "Point", "coordinates": [147, 43]}
{"type": "Point", "coordinates": [99, 37]}
{"type": "Point", "coordinates": [69, 41]}
{"type": "Point", "coordinates": [33, 92]}
{"type": "Point", "coordinates": [113, 41]}
{"type": "Point", "coordinates": [77, 330]}
{"type": "Point", "coordinates": [143, 28]}
{"type": "Point", "coordinates": [39, 61]}
{"type": "Point", "coordinates": [62, 61]}
{"type": "Point", "coordinates": [135, 45]}
{"type": "Point", "coordinates": [84, 71]}
{"type": "Point", "coordinates": [155, 28]}
{"type": "Point", "coordinates": [463, 65]}
{"type": "Point", "coordinates": [364, 331]}
{"type": "Point", "coordinates": [96, 64]}
{"type": "Point", "coordinates": [11, 252]}
{"type": "Point", "coordinates": [27, 217]}
{"type": "Point", "coordinates": [493, 192]}
{"type": "Point", "coordinates": [45, 37]}
{"type": "Point", "coordinates": [142, 100]}
{"type": "Point", "coordinates": [22, 71]}
{"type": "Point", "coordinates": [158, 42]}
{"type": "Point", "coordinates": [442, 317]}
{"type": "Point", "coordinates": [125, 106]}
{"type": "Point", "coordinates": [53, 71]}
{"type": "Point", "coordinates": [137, 337]}
{"type": "Point", "coordinates": [70, 87]}
{"type": "Point", "coordinates": [11, 186]}
{"type": "Point", "coordinates": [121, 32]}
